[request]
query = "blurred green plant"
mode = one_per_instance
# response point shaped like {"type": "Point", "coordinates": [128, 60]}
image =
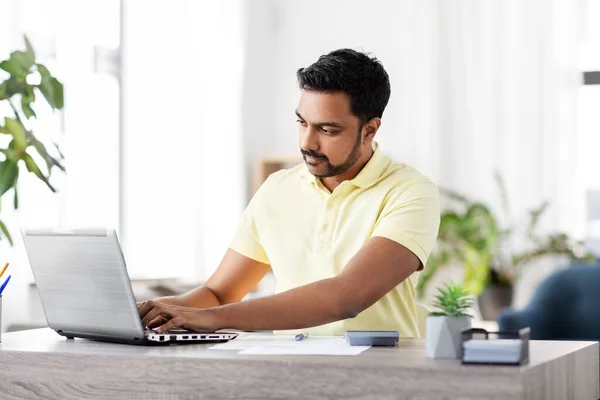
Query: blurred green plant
{"type": "Point", "coordinates": [26, 80]}
{"type": "Point", "coordinates": [452, 300]}
{"type": "Point", "coordinates": [471, 235]}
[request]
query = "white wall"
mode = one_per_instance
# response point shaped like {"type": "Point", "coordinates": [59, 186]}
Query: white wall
{"type": "Point", "coordinates": [258, 84]}
{"type": "Point", "coordinates": [183, 191]}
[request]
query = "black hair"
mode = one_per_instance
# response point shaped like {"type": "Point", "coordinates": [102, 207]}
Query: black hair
{"type": "Point", "coordinates": [357, 74]}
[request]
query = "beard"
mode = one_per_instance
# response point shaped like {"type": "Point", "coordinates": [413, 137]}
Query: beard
{"type": "Point", "coordinates": [334, 170]}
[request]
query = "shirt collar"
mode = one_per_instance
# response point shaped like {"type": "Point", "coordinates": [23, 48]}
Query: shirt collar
{"type": "Point", "coordinates": [366, 177]}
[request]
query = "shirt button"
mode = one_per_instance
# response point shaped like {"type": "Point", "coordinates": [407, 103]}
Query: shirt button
{"type": "Point", "coordinates": [325, 227]}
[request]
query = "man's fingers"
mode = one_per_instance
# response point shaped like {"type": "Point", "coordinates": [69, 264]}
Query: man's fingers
{"type": "Point", "coordinates": [146, 307]}
{"type": "Point", "coordinates": [149, 317]}
{"type": "Point", "coordinates": [177, 322]}
{"type": "Point", "coordinates": [158, 321]}
{"type": "Point", "coordinates": [155, 311]}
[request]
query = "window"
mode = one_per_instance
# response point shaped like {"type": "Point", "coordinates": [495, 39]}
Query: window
{"type": "Point", "coordinates": [587, 179]}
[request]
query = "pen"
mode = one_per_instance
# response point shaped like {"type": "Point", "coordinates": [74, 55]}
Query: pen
{"type": "Point", "coordinates": [4, 284]}
{"type": "Point", "coordinates": [299, 337]}
{"type": "Point", "coordinates": [4, 269]}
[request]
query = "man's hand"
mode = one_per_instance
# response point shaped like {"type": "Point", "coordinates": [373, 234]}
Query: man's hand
{"type": "Point", "coordinates": [165, 317]}
{"type": "Point", "coordinates": [172, 300]}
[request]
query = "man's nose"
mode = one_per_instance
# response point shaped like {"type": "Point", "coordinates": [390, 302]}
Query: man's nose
{"type": "Point", "coordinates": [309, 139]}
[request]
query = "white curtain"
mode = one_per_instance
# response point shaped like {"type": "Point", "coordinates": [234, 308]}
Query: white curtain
{"type": "Point", "coordinates": [507, 102]}
{"type": "Point", "coordinates": [508, 82]}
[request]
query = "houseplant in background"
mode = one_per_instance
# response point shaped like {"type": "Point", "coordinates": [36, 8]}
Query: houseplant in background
{"type": "Point", "coordinates": [26, 79]}
{"type": "Point", "coordinates": [473, 236]}
{"type": "Point", "coordinates": [444, 327]}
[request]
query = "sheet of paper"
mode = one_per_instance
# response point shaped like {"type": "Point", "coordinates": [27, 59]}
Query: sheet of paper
{"type": "Point", "coordinates": [287, 345]}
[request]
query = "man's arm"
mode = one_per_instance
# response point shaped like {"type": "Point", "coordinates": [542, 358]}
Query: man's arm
{"type": "Point", "coordinates": [376, 269]}
{"type": "Point", "coordinates": [233, 279]}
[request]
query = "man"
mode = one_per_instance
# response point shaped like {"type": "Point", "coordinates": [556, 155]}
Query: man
{"type": "Point", "coordinates": [343, 233]}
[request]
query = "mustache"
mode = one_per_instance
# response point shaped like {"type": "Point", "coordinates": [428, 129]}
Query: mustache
{"type": "Point", "coordinates": [312, 154]}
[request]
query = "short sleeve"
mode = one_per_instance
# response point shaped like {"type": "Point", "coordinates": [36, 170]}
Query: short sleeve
{"type": "Point", "coordinates": [412, 219]}
{"type": "Point", "coordinates": [246, 240]}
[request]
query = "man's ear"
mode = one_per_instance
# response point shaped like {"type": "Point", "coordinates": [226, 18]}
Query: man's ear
{"type": "Point", "coordinates": [371, 127]}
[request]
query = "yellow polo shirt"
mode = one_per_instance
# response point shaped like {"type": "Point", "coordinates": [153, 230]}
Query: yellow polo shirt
{"type": "Point", "coordinates": [307, 233]}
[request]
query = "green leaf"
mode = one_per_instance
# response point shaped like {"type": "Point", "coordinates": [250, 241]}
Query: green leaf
{"type": "Point", "coordinates": [29, 49]}
{"type": "Point", "coordinates": [16, 198]}
{"type": "Point", "coordinates": [4, 91]}
{"type": "Point", "coordinates": [27, 98]}
{"type": "Point", "coordinates": [452, 300]}
{"type": "Point", "coordinates": [16, 130]}
{"type": "Point", "coordinates": [46, 86]}
{"type": "Point", "coordinates": [14, 86]}
{"type": "Point", "coordinates": [449, 224]}
{"type": "Point", "coordinates": [476, 269]}
{"type": "Point", "coordinates": [27, 110]}
{"type": "Point", "coordinates": [58, 89]}
{"type": "Point", "coordinates": [6, 232]}
{"type": "Point", "coordinates": [10, 67]}
{"type": "Point", "coordinates": [437, 314]}
{"type": "Point", "coordinates": [18, 64]}
{"type": "Point", "coordinates": [22, 60]}
{"type": "Point", "coordinates": [35, 169]}
{"type": "Point", "coordinates": [8, 175]}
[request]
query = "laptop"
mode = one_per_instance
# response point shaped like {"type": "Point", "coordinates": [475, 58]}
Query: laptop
{"type": "Point", "coordinates": [85, 289]}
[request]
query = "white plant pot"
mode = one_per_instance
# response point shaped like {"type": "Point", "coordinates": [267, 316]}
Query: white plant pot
{"type": "Point", "coordinates": [442, 338]}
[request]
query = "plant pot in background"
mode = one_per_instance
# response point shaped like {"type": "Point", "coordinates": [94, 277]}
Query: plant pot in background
{"type": "Point", "coordinates": [493, 299]}
{"type": "Point", "coordinates": [443, 337]}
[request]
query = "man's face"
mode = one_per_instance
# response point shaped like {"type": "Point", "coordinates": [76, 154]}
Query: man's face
{"type": "Point", "coordinates": [330, 135]}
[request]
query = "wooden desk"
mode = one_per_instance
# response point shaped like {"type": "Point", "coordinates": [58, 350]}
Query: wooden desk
{"type": "Point", "coordinates": [40, 364]}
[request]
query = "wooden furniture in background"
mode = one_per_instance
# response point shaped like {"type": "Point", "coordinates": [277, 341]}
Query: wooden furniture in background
{"type": "Point", "coordinates": [41, 364]}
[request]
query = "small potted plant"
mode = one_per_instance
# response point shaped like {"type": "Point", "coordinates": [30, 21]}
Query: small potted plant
{"type": "Point", "coordinates": [444, 326]}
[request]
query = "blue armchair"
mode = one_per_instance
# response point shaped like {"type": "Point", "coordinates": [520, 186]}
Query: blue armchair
{"type": "Point", "coordinates": [566, 305]}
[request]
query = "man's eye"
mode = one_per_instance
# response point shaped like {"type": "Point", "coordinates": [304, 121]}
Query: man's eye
{"type": "Point", "coordinates": [300, 122]}
{"type": "Point", "coordinates": [328, 131]}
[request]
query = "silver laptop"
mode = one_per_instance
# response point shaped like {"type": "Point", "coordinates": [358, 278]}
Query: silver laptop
{"type": "Point", "coordinates": [85, 290]}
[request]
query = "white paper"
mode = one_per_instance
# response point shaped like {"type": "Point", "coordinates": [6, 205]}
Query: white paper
{"type": "Point", "coordinates": [287, 345]}
{"type": "Point", "coordinates": [311, 346]}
